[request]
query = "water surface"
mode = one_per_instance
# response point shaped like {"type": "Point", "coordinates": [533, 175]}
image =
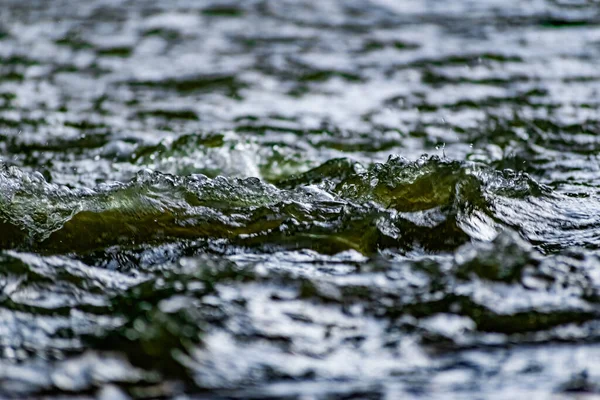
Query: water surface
{"type": "Point", "coordinates": [297, 199]}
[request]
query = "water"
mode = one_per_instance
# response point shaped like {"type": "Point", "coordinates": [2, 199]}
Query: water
{"type": "Point", "coordinates": [297, 199]}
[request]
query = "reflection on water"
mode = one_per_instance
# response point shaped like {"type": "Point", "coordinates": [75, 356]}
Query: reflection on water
{"type": "Point", "coordinates": [295, 199]}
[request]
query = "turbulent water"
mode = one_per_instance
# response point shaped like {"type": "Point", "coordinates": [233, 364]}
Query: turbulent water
{"type": "Point", "coordinates": [299, 199]}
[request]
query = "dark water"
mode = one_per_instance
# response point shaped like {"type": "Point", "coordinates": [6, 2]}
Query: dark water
{"type": "Point", "coordinates": [299, 199]}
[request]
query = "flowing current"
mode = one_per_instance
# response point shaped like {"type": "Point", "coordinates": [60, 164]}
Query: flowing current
{"type": "Point", "coordinates": [267, 199]}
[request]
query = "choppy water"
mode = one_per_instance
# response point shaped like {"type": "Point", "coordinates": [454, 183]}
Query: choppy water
{"type": "Point", "coordinates": [299, 199]}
